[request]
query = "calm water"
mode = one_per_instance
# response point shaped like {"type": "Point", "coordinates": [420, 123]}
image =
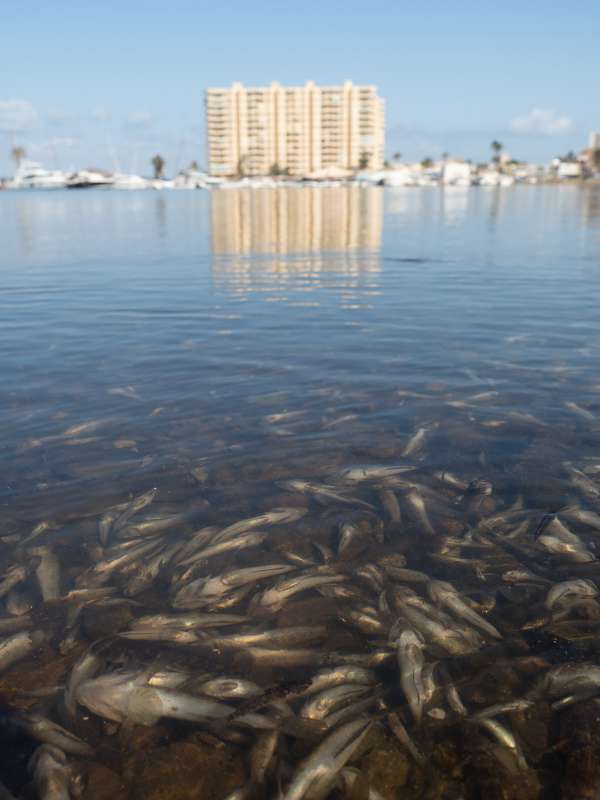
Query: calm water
{"type": "Point", "coordinates": [215, 345]}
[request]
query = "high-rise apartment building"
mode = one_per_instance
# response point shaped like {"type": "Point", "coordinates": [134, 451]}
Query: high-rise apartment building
{"type": "Point", "coordinates": [296, 130]}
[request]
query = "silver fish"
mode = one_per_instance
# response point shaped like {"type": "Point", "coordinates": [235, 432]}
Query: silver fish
{"type": "Point", "coordinates": [126, 696]}
{"type": "Point", "coordinates": [277, 516]}
{"type": "Point", "coordinates": [368, 472]}
{"type": "Point", "coordinates": [415, 501]}
{"type": "Point", "coordinates": [86, 667]}
{"type": "Point", "coordinates": [276, 597]}
{"type": "Point", "coordinates": [571, 679]}
{"type": "Point", "coordinates": [330, 700]}
{"type": "Point", "coordinates": [344, 674]}
{"type": "Point", "coordinates": [262, 755]}
{"type": "Point", "coordinates": [323, 492]}
{"type": "Point", "coordinates": [19, 646]}
{"type": "Point", "coordinates": [291, 636]}
{"type": "Point", "coordinates": [48, 732]}
{"type": "Point", "coordinates": [51, 774]}
{"type": "Point", "coordinates": [568, 589]}
{"type": "Point", "coordinates": [390, 503]}
{"type": "Point", "coordinates": [240, 542]}
{"type": "Point", "coordinates": [400, 732]}
{"type": "Point", "coordinates": [202, 591]}
{"type": "Point", "coordinates": [505, 738]}
{"type": "Point", "coordinates": [13, 576]}
{"type": "Point", "coordinates": [150, 570]}
{"type": "Point", "coordinates": [47, 572]}
{"type": "Point", "coordinates": [417, 441]}
{"type": "Point", "coordinates": [445, 594]}
{"type": "Point", "coordinates": [411, 660]}
{"type": "Point", "coordinates": [317, 774]}
{"type": "Point", "coordinates": [230, 688]}
{"type": "Point", "coordinates": [510, 707]}
{"type": "Point", "coordinates": [183, 621]}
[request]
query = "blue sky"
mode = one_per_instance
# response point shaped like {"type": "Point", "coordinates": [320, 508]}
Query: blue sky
{"type": "Point", "coordinates": [111, 83]}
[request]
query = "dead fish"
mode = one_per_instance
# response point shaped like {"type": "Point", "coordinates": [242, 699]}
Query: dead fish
{"type": "Point", "coordinates": [241, 542]}
{"type": "Point", "coordinates": [332, 699]}
{"type": "Point", "coordinates": [47, 572]}
{"type": "Point", "coordinates": [512, 706]}
{"type": "Point", "coordinates": [322, 492]}
{"type": "Point", "coordinates": [445, 594]}
{"type": "Point", "coordinates": [411, 661]}
{"type": "Point", "coordinates": [582, 482]}
{"type": "Point", "coordinates": [451, 480]}
{"type": "Point", "coordinates": [589, 518]}
{"type": "Point", "coordinates": [369, 472]}
{"type": "Point", "coordinates": [569, 589]}
{"type": "Point", "coordinates": [344, 674]}
{"type": "Point", "coordinates": [203, 591]}
{"type": "Point", "coordinates": [87, 666]}
{"type": "Point", "coordinates": [127, 697]}
{"type": "Point", "coordinates": [145, 576]}
{"type": "Point", "coordinates": [400, 732]}
{"type": "Point", "coordinates": [291, 636]}
{"type": "Point", "coordinates": [416, 504]}
{"type": "Point", "coordinates": [41, 528]}
{"type": "Point", "coordinates": [262, 755]}
{"type": "Point", "coordinates": [18, 646]}
{"type": "Point", "coordinates": [276, 597]}
{"type": "Point", "coordinates": [505, 738]}
{"type": "Point", "coordinates": [230, 688]}
{"type": "Point", "coordinates": [132, 508]}
{"type": "Point", "coordinates": [102, 571]}
{"type": "Point", "coordinates": [579, 679]}
{"type": "Point", "coordinates": [390, 503]}
{"type": "Point", "coordinates": [13, 576]}
{"type": "Point", "coordinates": [277, 516]}
{"type": "Point", "coordinates": [417, 440]}
{"type": "Point", "coordinates": [185, 621]}
{"type": "Point", "coordinates": [316, 775]}
{"type": "Point", "coordinates": [51, 774]}
{"type": "Point", "coordinates": [44, 730]}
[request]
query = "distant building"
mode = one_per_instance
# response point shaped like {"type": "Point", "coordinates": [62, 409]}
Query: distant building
{"type": "Point", "coordinates": [594, 141]}
{"type": "Point", "coordinates": [295, 130]}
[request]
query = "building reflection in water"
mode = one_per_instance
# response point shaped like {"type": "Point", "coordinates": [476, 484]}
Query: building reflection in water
{"type": "Point", "coordinates": [296, 220]}
{"type": "Point", "coordinates": [274, 241]}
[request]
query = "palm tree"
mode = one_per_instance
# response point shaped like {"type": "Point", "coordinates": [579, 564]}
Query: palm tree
{"type": "Point", "coordinates": [497, 147]}
{"type": "Point", "coordinates": [18, 154]}
{"type": "Point", "coordinates": [396, 157]}
{"type": "Point", "coordinates": [426, 163]}
{"type": "Point", "coordinates": [364, 160]}
{"type": "Point", "coordinates": [193, 167]}
{"type": "Point", "coordinates": [158, 163]}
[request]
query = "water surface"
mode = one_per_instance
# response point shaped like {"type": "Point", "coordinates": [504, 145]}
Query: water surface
{"type": "Point", "coordinates": [216, 345]}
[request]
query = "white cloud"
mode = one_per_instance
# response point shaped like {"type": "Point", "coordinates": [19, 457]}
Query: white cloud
{"type": "Point", "coordinates": [542, 120]}
{"type": "Point", "coordinates": [100, 113]}
{"type": "Point", "coordinates": [140, 119]}
{"type": "Point", "coordinates": [17, 115]}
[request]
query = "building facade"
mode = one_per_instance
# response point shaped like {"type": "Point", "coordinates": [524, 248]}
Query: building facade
{"type": "Point", "coordinates": [295, 130]}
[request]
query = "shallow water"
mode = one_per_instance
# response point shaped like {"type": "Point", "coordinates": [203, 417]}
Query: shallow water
{"type": "Point", "coordinates": [215, 345]}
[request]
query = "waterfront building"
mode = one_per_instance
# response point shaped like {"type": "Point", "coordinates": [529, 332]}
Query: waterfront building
{"type": "Point", "coordinates": [293, 130]}
{"type": "Point", "coordinates": [594, 141]}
